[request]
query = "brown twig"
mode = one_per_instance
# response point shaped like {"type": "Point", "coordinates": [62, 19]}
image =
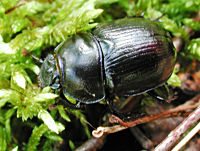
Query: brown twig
{"type": "Point", "coordinates": [175, 135]}
{"type": "Point", "coordinates": [180, 110]}
{"type": "Point", "coordinates": [187, 138]}
{"type": "Point", "coordinates": [92, 144]}
{"type": "Point", "coordinates": [124, 125]}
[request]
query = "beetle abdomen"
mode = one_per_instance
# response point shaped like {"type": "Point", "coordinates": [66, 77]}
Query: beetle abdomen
{"type": "Point", "coordinates": [138, 55]}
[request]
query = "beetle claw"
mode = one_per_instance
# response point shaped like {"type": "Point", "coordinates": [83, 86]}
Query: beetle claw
{"type": "Point", "coordinates": [117, 113]}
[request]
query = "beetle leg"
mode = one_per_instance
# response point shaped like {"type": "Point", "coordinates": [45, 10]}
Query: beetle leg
{"type": "Point", "coordinates": [117, 113]}
{"type": "Point", "coordinates": [154, 95]}
{"type": "Point", "coordinates": [69, 104]}
{"type": "Point", "coordinates": [78, 105]}
{"type": "Point", "coordinates": [163, 93]}
{"type": "Point", "coordinates": [114, 110]}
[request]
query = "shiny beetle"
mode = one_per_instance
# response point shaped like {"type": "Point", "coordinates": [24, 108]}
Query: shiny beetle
{"type": "Point", "coordinates": [124, 57]}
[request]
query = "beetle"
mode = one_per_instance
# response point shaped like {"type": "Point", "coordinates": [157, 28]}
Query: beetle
{"type": "Point", "coordinates": [124, 57]}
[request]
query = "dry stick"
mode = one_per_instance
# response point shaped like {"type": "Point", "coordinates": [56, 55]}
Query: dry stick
{"type": "Point", "coordinates": [187, 138]}
{"type": "Point", "coordinates": [175, 135]}
{"type": "Point", "coordinates": [124, 125]}
{"type": "Point", "coordinates": [180, 110]}
{"type": "Point", "coordinates": [92, 144]}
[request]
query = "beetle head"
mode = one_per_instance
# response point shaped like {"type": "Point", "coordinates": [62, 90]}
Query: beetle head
{"type": "Point", "coordinates": [49, 75]}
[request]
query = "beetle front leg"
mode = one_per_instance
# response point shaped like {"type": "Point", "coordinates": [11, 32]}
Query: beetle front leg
{"type": "Point", "coordinates": [69, 104]}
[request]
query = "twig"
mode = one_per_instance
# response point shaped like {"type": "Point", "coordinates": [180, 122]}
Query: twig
{"type": "Point", "coordinates": [187, 138]}
{"type": "Point", "coordinates": [180, 110]}
{"type": "Point", "coordinates": [124, 125]}
{"type": "Point", "coordinates": [92, 144]}
{"type": "Point", "coordinates": [175, 135]}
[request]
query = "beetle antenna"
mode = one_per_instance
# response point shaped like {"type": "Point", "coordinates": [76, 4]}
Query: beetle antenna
{"type": "Point", "coordinates": [36, 58]}
{"type": "Point", "coordinates": [26, 53]}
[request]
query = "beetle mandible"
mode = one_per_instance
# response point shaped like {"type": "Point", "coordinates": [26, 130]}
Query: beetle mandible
{"type": "Point", "coordinates": [125, 57]}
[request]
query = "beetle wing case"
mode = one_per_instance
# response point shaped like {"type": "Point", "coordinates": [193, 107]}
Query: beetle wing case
{"type": "Point", "coordinates": [80, 66]}
{"type": "Point", "coordinates": [138, 55]}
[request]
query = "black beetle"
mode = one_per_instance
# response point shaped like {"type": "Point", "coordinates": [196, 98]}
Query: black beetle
{"type": "Point", "coordinates": [124, 57]}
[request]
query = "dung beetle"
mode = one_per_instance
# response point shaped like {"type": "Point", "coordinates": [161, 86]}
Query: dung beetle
{"type": "Point", "coordinates": [124, 57]}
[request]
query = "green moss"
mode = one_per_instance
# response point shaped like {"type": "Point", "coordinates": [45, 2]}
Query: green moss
{"type": "Point", "coordinates": [32, 26]}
